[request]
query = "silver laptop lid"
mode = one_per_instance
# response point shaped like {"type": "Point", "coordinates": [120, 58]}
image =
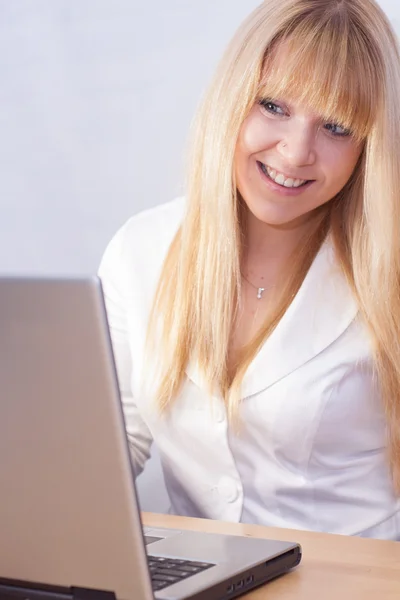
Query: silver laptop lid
{"type": "Point", "coordinates": [68, 509]}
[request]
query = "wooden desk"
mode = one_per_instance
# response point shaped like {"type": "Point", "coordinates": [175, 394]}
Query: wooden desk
{"type": "Point", "coordinates": [333, 567]}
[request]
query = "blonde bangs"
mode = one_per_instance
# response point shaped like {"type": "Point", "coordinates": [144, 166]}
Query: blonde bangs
{"type": "Point", "coordinates": [329, 69]}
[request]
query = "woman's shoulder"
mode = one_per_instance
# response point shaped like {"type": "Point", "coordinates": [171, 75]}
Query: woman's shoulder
{"type": "Point", "coordinates": [148, 233]}
{"type": "Point", "coordinates": [154, 225]}
{"type": "Point", "coordinates": [139, 247]}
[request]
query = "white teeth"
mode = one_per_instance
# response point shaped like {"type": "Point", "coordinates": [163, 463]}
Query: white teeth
{"type": "Point", "coordinates": [280, 179]}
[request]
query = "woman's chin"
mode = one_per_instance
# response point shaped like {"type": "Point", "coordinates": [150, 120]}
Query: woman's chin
{"type": "Point", "coordinates": [271, 214]}
{"type": "Point", "coordinates": [283, 215]}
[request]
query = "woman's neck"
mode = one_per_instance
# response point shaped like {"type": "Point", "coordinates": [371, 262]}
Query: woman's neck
{"type": "Point", "coordinates": [273, 243]}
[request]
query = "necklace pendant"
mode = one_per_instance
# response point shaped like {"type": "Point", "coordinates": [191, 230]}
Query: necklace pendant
{"type": "Point", "coordinates": [260, 292]}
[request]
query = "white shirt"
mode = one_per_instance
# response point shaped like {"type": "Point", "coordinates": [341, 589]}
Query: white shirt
{"type": "Point", "coordinates": [311, 450]}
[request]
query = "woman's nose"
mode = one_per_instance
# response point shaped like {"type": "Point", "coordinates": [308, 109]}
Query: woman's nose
{"type": "Point", "coordinates": [297, 146]}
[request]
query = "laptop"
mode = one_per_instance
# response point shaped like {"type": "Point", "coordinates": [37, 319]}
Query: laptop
{"type": "Point", "coordinates": [70, 523]}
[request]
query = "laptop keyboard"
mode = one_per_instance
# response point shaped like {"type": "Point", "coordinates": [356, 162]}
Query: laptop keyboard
{"type": "Point", "coordinates": [166, 571]}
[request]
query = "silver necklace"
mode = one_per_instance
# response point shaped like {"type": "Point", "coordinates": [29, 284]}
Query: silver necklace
{"type": "Point", "coordinates": [260, 290]}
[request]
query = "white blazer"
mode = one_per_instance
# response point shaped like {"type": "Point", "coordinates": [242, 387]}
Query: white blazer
{"type": "Point", "coordinates": [311, 450]}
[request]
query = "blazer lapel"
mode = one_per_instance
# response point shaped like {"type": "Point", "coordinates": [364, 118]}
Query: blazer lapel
{"type": "Point", "coordinates": [322, 310]}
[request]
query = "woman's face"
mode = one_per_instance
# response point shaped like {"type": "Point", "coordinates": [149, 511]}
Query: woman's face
{"type": "Point", "coordinates": [288, 161]}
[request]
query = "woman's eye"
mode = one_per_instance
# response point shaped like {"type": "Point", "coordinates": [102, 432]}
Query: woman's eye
{"type": "Point", "coordinates": [337, 130]}
{"type": "Point", "coordinates": [271, 107]}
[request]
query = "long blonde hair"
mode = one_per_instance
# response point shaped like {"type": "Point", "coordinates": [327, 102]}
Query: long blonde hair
{"type": "Point", "coordinates": [343, 61]}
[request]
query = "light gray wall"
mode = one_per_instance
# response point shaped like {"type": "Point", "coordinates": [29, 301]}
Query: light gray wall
{"type": "Point", "coordinates": [96, 97]}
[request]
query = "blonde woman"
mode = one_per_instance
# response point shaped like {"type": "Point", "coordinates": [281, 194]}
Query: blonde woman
{"type": "Point", "coordinates": [256, 322]}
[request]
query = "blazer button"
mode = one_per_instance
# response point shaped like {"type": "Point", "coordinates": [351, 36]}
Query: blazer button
{"type": "Point", "coordinates": [228, 489]}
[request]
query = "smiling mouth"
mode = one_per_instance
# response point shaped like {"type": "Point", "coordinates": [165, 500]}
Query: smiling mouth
{"type": "Point", "coordinates": [281, 179]}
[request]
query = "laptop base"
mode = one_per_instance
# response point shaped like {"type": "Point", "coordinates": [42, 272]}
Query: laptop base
{"type": "Point", "coordinates": [15, 590]}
